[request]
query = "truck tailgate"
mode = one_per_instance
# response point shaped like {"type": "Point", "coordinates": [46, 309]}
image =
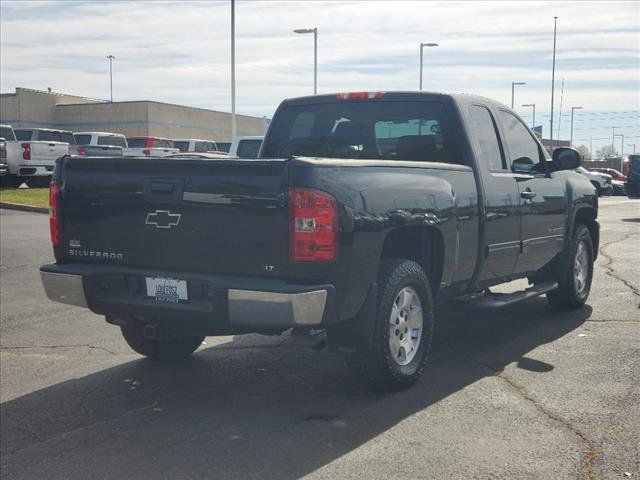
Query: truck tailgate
{"type": "Point", "coordinates": [44, 151]}
{"type": "Point", "coordinates": [214, 216]}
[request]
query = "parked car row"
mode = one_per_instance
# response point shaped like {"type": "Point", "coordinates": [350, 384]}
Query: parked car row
{"type": "Point", "coordinates": [28, 154]}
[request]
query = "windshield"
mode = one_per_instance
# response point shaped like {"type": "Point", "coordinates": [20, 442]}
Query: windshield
{"type": "Point", "coordinates": [368, 130]}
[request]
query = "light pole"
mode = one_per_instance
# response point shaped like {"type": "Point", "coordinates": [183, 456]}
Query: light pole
{"type": "Point", "coordinates": [422, 45]}
{"type": "Point", "coordinates": [533, 105]}
{"type": "Point", "coordinates": [621, 135]}
{"type": "Point", "coordinates": [513, 86]}
{"type": "Point", "coordinates": [111, 58]}
{"type": "Point", "coordinates": [233, 69]}
{"type": "Point", "coordinates": [315, 54]}
{"type": "Point", "coordinates": [613, 140]}
{"type": "Point", "coordinates": [571, 138]}
{"type": "Point", "coordinates": [632, 145]}
{"type": "Point", "coordinates": [553, 76]}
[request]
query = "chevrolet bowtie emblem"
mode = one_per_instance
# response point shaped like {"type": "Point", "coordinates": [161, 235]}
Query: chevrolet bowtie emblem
{"type": "Point", "coordinates": [163, 219]}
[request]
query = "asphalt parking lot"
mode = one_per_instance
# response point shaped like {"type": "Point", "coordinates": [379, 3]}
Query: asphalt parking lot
{"type": "Point", "coordinates": [525, 392]}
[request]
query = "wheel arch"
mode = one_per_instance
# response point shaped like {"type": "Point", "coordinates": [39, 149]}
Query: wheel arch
{"type": "Point", "coordinates": [422, 244]}
{"type": "Point", "coordinates": [587, 216]}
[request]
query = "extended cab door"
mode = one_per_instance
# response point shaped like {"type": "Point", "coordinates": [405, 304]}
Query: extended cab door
{"type": "Point", "coordinates": [500, 191]}
{"type": "Point", "coordinates": [542, 196]}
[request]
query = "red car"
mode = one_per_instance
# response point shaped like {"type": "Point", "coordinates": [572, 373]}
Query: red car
{"type": "Point", "coordinates": [615, 174]}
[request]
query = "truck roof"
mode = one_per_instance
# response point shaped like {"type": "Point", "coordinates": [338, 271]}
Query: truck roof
{"type": "Point", "coordinates": [100, 133]}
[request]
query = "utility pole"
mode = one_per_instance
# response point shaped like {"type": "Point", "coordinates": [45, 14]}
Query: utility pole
{"type": "Point", "coordinates": [573, 109]}
{"type": "Point", "coordinates": [233, 69]}
{"type": "Point", "coordinates": [560, 112]}
{"type": "Point", "coordinates": [553, 75]}
{"type": "Point", "coordinates": [111, 58]}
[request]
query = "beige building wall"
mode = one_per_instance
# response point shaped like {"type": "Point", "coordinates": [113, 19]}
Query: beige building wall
{"type": "Point", "coordinates": [34, 108]}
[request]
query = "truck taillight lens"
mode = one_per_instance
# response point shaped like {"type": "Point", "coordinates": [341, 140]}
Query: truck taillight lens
{"type": "Point", "coordinates": [146, 151]}
{"type": "Point", "coordinates": [314, 226]}
{"type": "Point", "coordinates": [26, 151]}
{"type": "Point", "coordinates": [54, 214]}
{"type": "Point", "coordinates": [82, 151]}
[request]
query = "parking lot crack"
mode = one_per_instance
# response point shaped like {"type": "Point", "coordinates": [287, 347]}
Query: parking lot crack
{"type": "Point", "coordinates": [590, 453]}
{"type": "Point", "coordinates": [46, 347]}
{"type": "Point", "coordinates": [609, 268]}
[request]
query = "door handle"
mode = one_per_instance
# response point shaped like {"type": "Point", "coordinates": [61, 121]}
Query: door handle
{"type": "Point", "coordinates": [527, 194]}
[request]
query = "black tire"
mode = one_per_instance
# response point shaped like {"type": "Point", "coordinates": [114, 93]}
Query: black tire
{"type": "Point", "coordinates": [573, 293]}
{"type": "Point", "coordinates": [375, 363]}
{"type": "Point", "coordinates": [174, 349]}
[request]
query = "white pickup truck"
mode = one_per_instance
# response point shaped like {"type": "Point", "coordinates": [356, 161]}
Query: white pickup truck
{"type": "Point", "coordinates": [246, 147]}
{"type": "Point", "coordinates": [32, 153]}
{"type": "Point", "coordinates": [149, 147]}
{"type": "Point", "coordinates": [186, 145]}
{"type": "Point", "coordinates": [99, 144]}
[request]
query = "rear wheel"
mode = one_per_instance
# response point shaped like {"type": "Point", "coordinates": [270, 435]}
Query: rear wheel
{"type": "Point", "coordinates": [575, 272]}
{"type": "Point", "coordinates": [173, 349]}
{"type": "Point", "coordinates": [402, 328]}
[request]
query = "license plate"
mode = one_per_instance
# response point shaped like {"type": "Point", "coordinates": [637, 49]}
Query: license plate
{"type": "Point", "coordinates": [169, 290]}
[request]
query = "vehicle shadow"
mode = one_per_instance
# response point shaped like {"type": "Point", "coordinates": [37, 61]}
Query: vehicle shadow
{"type": "Point", "coordinates": [251, 408]}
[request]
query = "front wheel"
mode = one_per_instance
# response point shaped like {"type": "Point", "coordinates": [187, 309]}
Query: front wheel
{"type": "Point", "coordinates": [575, 272]}
{"type": "Point", "coordinates": [173, 349]}
{"type": "Point", "coordinates": [402, 328]}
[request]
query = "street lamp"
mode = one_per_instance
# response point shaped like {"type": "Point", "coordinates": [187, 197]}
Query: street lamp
{"type": "Point", "coordinates": [533, 105]}
{"type": "Point", "coordinates": [315, 54]}
{"type": "Point", "coordinates": [553, 76]}
{"type": "Point", "coordinates": [513, 85]}
{"type": "Point", "coordinates": [422, 45]}
{"type": "Point", "coordinates": [571, 138]}
{"type": "Point", "coordinates": [613, 139]}
{"type": "Point", "coordinates": [111, 58]}
{"type": "Point", "coordinates": [632, 145]}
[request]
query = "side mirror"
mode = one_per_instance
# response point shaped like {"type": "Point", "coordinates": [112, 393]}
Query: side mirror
{"type": "Point", "coordinates": [565, 158]}
{"type": "Point", "coordinates": [522, 165]}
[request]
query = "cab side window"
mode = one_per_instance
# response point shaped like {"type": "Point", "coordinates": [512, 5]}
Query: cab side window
{"type": "Point", "coordinates": [485, 135]}
{"type": "Point", "coordinates": [519, 141]}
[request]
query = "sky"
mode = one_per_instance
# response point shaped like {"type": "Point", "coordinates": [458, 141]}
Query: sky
{"type": "Point", "coordinates": [179, 52]}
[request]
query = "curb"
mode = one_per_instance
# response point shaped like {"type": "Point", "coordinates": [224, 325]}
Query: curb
{"type": "Point", "coordinates": [24, 208]}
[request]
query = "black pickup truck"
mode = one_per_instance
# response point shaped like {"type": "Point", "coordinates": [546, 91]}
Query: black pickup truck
{"type": "Point", "coordinates": [362, 210]}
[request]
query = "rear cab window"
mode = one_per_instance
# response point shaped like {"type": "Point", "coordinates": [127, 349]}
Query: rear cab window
{"type": "Point", "coordinates": [181, 145]}
{"type": "Point", "coordinates": [82, 139]}
{"type": "Point", "coordinates": [383, 130]}
{"type": "Point", "coordinates": [113, 140]}
{"type": "Point", "coordinates": [23, 135]}
{"type": "Point", "coordinates": [137, 142]}
{"type": "Point", "coordinates": [7, 134]}
{"type": "Point", "coordinates": [248, 148]}
{"type": "Point", "coordinates": [161, 143]}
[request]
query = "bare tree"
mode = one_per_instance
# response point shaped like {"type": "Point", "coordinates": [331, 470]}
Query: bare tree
{"type": "Point", "coordinates": [584, 152]}
{"type": "Point", "coordinates": [607, 151]}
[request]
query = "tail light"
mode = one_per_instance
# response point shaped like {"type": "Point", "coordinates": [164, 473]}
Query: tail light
{"type": "Point", "coordinates": [146, 152]}
{"type": "Point", "coordinates": [55, 227]}
{"type": "Point", "coordinates": [314, 226]}
{"type": "Point", "coordinates": [627, 168]}
{"type": "Point", "coordinates": [26, 151]}
{"type": "Point", "coordinates": [359, 95]}
{"type": "Point", "coordinates": [82, 151]}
